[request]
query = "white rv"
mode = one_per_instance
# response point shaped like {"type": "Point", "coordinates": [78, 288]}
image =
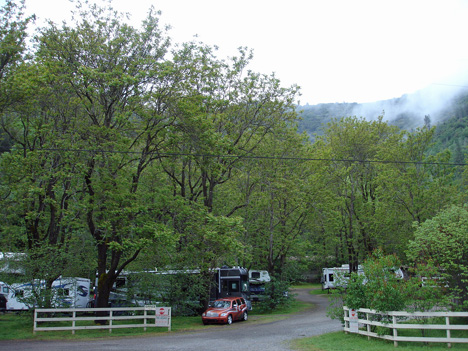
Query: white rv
{"type": "Point", "coordinates": [257, 281]}
{"type": "Point", "coordinates": [66, 292]}
{"type": "Point", "coordinates": [338, 276]}
{"type": "Point", "coordinates": [10, 262]}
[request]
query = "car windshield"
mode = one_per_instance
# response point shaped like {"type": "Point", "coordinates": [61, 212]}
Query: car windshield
{"type": "Point", "coordinates": [222, 304]}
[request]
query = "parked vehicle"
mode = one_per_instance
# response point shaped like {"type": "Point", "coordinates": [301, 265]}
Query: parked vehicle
{"type": "Point", "coordinates": [70, 292]}
{"type": "Point", "coordinates": [150, 287]}
{"type": "Point", "coordinates": [226, 311]}
{"type": "Point", "coordinates": [257, 281]}
{"type": "Point", "coordinates": [338, 276]}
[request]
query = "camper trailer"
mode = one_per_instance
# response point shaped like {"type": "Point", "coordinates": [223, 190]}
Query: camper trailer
{"type": "Point", "coordinates": [149, 287]}
{"type": "Point", "coordinates": [70, 292]}
{"type": "Point", "coordinates": [336, 277]}
{"type": "Point", "coordinates": [257, 280]}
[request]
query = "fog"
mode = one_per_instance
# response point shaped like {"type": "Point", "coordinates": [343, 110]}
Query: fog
{"type": "Point", "coordinates": [435, 101]}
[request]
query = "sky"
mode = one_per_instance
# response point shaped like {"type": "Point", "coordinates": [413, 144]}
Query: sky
{"type": "Point", "coordinates": [335, 50]}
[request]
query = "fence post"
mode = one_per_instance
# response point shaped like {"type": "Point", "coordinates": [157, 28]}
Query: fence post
{"type": "Point", "coordinates": [35, 322]}
{"type": "Point", "coordinates": [368, 326]}
{"type": "Point", "coordinates": [170, 318]}
{"type": "Point", "coordinates": [346, 314]}
{"type": "Point", "coordinates": [144, 319]}
{"type": "Point", "coordinates": [110, 321]}
{"type": "Point", "coordinates": [73, 322]}
{"type": "Point", "coordinates": [395, 332]}
{"type": "Point", "coordinates": [447, 321]}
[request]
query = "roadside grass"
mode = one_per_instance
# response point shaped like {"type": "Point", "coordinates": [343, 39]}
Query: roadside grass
{"type": "Point", "coordinates": [20, 325]}
{"type": "Point", "coordinates": [340, 341]}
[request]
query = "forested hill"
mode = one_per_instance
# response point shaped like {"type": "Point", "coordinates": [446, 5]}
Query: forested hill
{"type": "Point", "coordinates": [448, 112]}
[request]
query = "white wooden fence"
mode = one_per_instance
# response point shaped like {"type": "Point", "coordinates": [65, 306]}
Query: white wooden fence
{"type": "Point", "coordinates": [151, 316]}
{"type": "Point", "coordinates": [395, 319]}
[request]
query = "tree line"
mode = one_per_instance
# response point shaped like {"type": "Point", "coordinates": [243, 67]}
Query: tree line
{"type": "Point", "coordinates": [125, 151]}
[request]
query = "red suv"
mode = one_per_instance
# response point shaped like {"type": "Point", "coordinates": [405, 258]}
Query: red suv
{"type": "Point", "coordinates": [226, 310]}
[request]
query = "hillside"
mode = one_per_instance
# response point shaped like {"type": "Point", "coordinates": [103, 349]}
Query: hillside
{"type": "Point", "coordinates": [447, 111]}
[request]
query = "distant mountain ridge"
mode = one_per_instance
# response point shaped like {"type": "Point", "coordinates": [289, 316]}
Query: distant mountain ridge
{"type": "Point", "coordinates": [446, 107]}
{"type": "Point", "coordinates": [407, 111]}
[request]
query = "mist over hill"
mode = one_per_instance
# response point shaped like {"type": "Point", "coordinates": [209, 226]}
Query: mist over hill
{"type": "Point", "coordinates": [446, 107]}
{"type": "Point", "coordinates": [407, 112]}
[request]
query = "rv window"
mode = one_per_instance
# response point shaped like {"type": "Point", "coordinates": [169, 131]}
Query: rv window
{"type": "Point", "coordinates": [330, 277]}
{"type": "Point", "coordinates": [63, 292]}
{"type": "Point", "coordinates": [19, 293]}
{"type": "Point", "coordinates": [120, 282]}
{"type": "Point", "coordinates": [5, 289]}
{"type": "Point", "coordinates": [256, 275]}
{"type": "Point", "coordinates": [234, 287]}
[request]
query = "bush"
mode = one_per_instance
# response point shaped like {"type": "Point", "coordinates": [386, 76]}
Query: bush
{"type": "Point", "coordinates": [276, 295]}
{"type": "Point", "coordinates": [382, 290]}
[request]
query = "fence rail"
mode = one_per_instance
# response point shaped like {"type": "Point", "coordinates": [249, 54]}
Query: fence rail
{"type": "Point", "coordinates": [142, 317]}
{"type": "Point", "coordinates": [396, 320]}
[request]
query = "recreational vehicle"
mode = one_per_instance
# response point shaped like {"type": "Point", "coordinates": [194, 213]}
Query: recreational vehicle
{"type": "Point", "coordinates": [153, 287]}
{"type": "Point", "coordinates": [257, 281]}
{"type": "Point", "coordinates": [70, 292]}
{"type": "Point", "coordinates": [338, 276]}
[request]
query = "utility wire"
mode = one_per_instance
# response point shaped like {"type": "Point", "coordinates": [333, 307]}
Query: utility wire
{"type": "Point", "coordinates": [303, 159]}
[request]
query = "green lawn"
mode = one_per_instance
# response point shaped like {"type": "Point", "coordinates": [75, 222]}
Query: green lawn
{"type": "Point", "coordinates": [336, 341]}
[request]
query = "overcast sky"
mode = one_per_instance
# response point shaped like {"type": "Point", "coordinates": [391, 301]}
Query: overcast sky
{"type": "Point", "coordinates": [335, 50]}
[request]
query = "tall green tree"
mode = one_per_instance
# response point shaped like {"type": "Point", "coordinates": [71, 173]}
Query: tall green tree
{"type": "Point", "coordinates": [13, 35]}
{"type": "Point", "coordinates": [39, 174]}
{"type": "Point", "coordinates": [353, 145]}
{"type": "Point", "coordinates": [118, 76]}
{"type": "Point", "coordinates": [224, 117]}
{"type": "Point", "coordinates": [280, 192]}
{"type": "Point", "coordinates": [443, 241]}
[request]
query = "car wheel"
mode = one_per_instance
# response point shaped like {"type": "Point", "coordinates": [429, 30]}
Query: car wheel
{"type": "Point", "coordinates": [245, 316]}
{"type": "Point", "coordinates": [205, 322]}
{"type": "Point", "coordinates": [229, 319]}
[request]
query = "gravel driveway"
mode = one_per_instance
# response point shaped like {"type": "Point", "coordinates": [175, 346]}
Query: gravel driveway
{"type": "Point", "coordinates": [273, 336]}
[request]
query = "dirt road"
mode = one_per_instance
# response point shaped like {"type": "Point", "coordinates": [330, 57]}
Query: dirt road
{"type": "Point", "coordinates": [273, 336]}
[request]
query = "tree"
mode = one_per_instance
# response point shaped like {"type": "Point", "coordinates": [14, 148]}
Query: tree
{"type": "Point", "coordinates": [39, 176]}
{"type": "Point", "coordinates": [443, 240]}
{"type": "Point", "coordinates": [223, 119]}
{"type": "Point", "coordinates": [417, 184]}
{"type": "Point", "coordinates": [13, 36]}
{"type": "Point", "coordinates": [354, 147]}
{"type": "Point", "coordinates": [280, 191]}
{"type": "Point", "coordinates": [118, 76]}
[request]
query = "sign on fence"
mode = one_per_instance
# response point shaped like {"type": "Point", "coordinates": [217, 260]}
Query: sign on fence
{"type": "Point", "coordinates": [163, 316]}
{"type": "Point", "coordinates": [353, 321]}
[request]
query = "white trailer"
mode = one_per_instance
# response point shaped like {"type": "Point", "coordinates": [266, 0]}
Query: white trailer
{"type": "Point", "coordinates": [338, 276]}
{"type": "Point", "coordinates": [257, 281]}
{"type": "Point", "coordinates": [70, 292]}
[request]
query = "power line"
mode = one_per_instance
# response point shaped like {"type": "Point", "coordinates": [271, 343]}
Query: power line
{"type": "Point", "coordinates": [286, 158]}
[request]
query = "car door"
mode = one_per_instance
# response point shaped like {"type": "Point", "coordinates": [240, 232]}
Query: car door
{"type": "Point", "coordinates": [238, 309]}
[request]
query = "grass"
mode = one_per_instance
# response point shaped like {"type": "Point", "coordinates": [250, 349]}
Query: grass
{"type": "Point", "coordinates": [336, 341]}
{"type": "Point", "coordinates": [20, 325]}
{"type": "Point", "coordinates": [316, 289]}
